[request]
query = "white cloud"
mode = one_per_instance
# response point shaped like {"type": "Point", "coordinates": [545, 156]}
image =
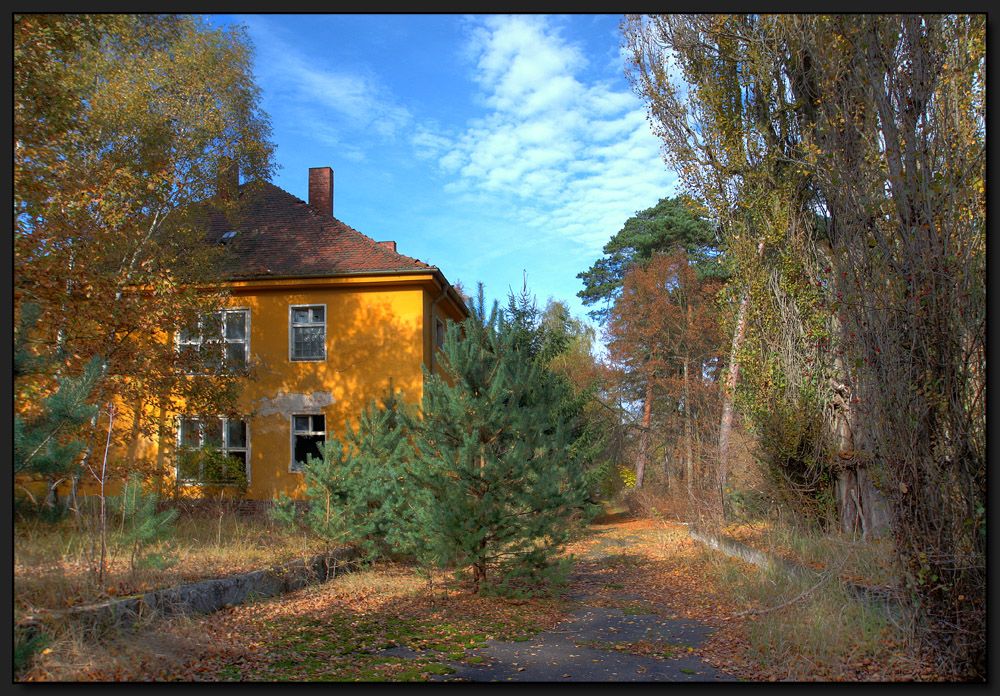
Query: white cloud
{"type": "Point", "coordinates": [327, 101]}
{"type": "Point", "coordinates": [572, 154]}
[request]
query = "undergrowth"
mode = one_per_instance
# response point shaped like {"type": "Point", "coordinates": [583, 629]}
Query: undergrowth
{"type": "Point", "coordinates": [56, 563]}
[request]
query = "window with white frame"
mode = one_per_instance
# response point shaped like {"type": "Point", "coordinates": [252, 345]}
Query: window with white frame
{"type": "Point", "coordinates": [212, 450]}
{"type": "Point", "coordinates": [308, 433]}
{"type": "Point", "coordinates": [307, 335]}
{"type": "Point", "coordinates": [219, 340]}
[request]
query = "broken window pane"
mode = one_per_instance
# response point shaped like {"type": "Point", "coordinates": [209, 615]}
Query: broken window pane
{"type": "Point", "coordinates": [237, 433]}
{"type": "Point", "coordinates": [306, 446]}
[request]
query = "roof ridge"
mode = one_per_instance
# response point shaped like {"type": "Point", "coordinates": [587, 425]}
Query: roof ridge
{"type": "Point", "coordinates": [283, 235]}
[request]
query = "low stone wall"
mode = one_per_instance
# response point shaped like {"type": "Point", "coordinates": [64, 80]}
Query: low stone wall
{"type": "Point", "coordinates": [738, 549]}
{"type": "Point", "coordinates": [887, 597]}
{"type": "Point", "coordinates": [207, 595]}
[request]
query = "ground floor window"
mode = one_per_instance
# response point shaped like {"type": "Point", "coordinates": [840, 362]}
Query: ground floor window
{"type": "Point", "coordinates": [439, 332]}
{"type": "Point", "coordinates": [308, 433]}
{"type": "Point", "coordinates": [212, 450]}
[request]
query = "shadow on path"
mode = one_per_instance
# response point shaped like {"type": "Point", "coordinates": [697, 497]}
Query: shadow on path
{"type": "Point", "coordinates": [581, 648]}
{"type": "Point", "coordinates": [589, 645]}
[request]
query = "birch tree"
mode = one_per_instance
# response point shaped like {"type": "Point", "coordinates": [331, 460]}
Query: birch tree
{"type": "Point", "coordinates": [121, 123]}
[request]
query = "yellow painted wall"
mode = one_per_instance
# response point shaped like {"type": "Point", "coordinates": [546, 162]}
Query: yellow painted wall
{"type": "Point", "coordinates": [376, 332]}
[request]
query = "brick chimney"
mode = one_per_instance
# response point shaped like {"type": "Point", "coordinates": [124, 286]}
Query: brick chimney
{"type": "Point", "coordinates": [391, 246]}
{"type": "Point", "coordinates": [321, 189]}
{"type": "Point", "coordinates": [228, 180]}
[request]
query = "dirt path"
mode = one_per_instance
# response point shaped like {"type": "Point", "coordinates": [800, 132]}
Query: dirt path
{"type": "Point", "coordinates": [604, 631]}
{"type": "Point", "coordinates": [589, 646]}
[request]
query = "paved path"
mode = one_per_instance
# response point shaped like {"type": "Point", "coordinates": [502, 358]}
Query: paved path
{"type": "Point", "coordinates": [572, 651]}
{"type": "Point", "coordinates": [582, 647]}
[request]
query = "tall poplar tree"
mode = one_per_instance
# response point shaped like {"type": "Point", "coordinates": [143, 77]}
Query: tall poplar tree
{"type": "Point", "coordinates": [844, 156]}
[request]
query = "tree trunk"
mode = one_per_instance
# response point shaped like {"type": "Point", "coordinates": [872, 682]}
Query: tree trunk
{"type": "Point", "coordinates": [729, 392]}
{"type": "Point", "coordinates": [688, 435]}
{"type": "Point", "coordinates": [478, 575]}
{"type": "Point", "coordinates": [860, 506]}
{"type": "Point", "coordinates": [640, 462]}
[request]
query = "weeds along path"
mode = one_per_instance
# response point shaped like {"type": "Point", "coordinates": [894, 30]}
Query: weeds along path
{"type": "Point", "coordinates": [635, 610]}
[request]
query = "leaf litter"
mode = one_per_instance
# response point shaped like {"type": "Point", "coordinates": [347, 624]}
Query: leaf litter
{"type": "Point", "coordinates": [356, 627]}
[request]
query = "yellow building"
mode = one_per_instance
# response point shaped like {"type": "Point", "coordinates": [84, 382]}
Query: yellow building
{"type": "Point", "coordinates": [326, 317]}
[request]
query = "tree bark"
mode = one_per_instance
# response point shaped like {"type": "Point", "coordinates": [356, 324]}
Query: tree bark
{"type": "Point", "coordinates": [729, 392]}
{"type": "Point", "coordinates": [640, 462]}
{"type": "Point", "coordinates": [688, 436]}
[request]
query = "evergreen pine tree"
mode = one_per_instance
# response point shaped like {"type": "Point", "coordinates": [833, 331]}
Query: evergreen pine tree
{"type": "Point", "coordinates": [506, 489]}
{"type": "Point", "coordinates": [357, 489]}
{"type": "Point", "coordinates": [481, 476]}
{"type": "Point", "coordinates": [141, 523]}
{"type": "Point", "coordinates": [45, 442]}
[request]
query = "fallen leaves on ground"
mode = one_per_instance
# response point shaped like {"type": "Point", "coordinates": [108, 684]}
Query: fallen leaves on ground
{"type": "Point", "coordinates": [392, 624]}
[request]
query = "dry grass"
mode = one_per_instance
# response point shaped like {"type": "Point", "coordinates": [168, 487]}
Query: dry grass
{"type": "Point", "coordinates": [770, 626]}
{"type": "Point", "coordinates": [55, 565]}
{"type": "Point", "coordinates": [56, 568]}
{"type": "Point", "coordinates": [75, 653]}
{"type": "Point", "coordinates": [809, 630]}
{"type": "Point", "coordinates": [870, 560]}
{"type": "Point", "coordinates": [780, 628]}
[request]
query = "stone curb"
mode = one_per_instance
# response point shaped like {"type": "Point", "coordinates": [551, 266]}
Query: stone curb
{"type": "Point", "coordinates": [207, 595]}
{"type": "Point", "coordinates": [738, 549]}
{"type": "Point", "coordinates": [885, 596]}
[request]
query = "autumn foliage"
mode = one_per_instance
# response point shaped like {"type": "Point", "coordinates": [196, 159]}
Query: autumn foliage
{"type": "Point", "coordinates": [844, 159]}
{"type": "Point", "coordinates": [663, 341]}
{"type": "Point", "coordinates": [121, 123]}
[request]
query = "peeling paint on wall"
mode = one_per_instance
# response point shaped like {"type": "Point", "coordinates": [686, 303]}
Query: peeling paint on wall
{"type": "Point", "coordinates": [287, 404]}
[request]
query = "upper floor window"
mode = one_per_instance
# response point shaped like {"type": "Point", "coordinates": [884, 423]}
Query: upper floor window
{"type": "Point", "coordinates": [220, 339]}
{"type": "Point", "coordinates": [307, 336]}
{"type": "Point", "coordinates": [212, 450]}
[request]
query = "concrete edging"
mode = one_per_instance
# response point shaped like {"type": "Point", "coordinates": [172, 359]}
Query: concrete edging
{"type": "Point", "coordinates": [207, 596]}
{"type": "Point", "coordinates": [887, 597]}
{"type": "Point", "coordinates": [738, 549]}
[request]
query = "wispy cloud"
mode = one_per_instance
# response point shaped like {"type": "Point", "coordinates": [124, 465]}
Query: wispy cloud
{"type": "Point", "coordinates": [331, 104]}
{"type": "Point", "coordinates": [578, 157]}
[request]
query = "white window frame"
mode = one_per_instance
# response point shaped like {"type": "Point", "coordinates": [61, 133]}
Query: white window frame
{"type": "Point", "coordinates": [293, 465]}
{"type": "Point", "coordinates": [225, 446]}
{"type": "Point", "coordinates": [292, 325]}
{"type": "Point", "coordinates": [222, 340]}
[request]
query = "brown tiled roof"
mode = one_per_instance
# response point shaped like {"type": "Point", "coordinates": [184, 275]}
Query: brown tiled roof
{"type": "Point", "coordinates": [277, 235]}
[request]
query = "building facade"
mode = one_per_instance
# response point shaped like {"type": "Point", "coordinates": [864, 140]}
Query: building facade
{"type": "Point", "coordinates": [324, 318]}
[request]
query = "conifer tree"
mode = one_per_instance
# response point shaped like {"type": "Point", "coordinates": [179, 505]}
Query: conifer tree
{"type": "Point", "coordinates": [141, 523]}
{"type": "Point", "coordinates": [481, 476]}
{"type": "Point", "coordinates": [357, 487]}
{"type": "Point", "coordinates": [505, 485]}
{"type": "Point", "coordinates": [44, 442]}
{"type": "Point", "coordinates": [673, 222]}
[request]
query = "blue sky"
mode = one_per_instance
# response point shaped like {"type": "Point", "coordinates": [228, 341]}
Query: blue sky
{"type": "Point", "coordinates": [490, 146]}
